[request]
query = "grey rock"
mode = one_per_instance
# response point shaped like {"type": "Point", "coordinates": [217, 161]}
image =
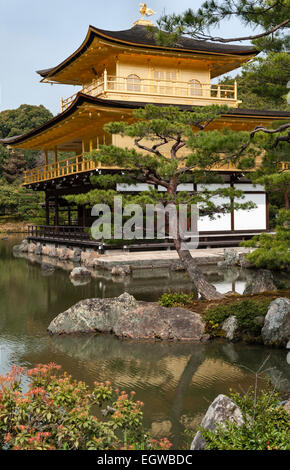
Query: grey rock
{"type": "Point", "coordinates": [231, 327]}
{"type": "Point", "coordinates": [22, 248]}
{"type": "Point", "coordinates": [231, 257]}
{"type": "Point", "coordinates": [222, 409]}
{"type": "Point", "coordinates": [128, 318]}
{"type": "Point", "coordinates": [80, 273]}
{"type": "Point", "coordinates": [244, 263]}
{"type": "Point", "coordinates": [176, 266]}
{"type": "Point", "coordinates": [77, 255]}
{"type": "Point", "coordinates": [262, 281]}
{"type": "Point", "coordinates": [123, 270]}
{"type": "Point", "coordinates": [38, 250]}
{"type": "Point", "coordinates": [47, 268]}
{"type": "Point", "coordinates": [276, 329]}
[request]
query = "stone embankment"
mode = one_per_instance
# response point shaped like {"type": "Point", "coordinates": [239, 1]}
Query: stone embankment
{"type": "Point", "coordinates": [120, 263]}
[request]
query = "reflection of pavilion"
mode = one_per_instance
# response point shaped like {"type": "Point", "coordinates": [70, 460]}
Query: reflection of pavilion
{"type": "Point", "coordinates": [151, 283]}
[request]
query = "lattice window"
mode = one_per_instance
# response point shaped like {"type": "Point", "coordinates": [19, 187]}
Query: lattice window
{"type": "Point", "coordinates": [133, 83]}
{"type": "Point", "coordinates": [195, 88]}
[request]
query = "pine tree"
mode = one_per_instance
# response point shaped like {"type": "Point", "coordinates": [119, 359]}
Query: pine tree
{"type": "Point", "coordinates": [171, 147]}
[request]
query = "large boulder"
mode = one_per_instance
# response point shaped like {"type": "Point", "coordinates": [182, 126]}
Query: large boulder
{"type": "Point", "coordinates": [221, 410]}
{"type": "Point", "coordinates": [276, 329]}
{"type": "Point", "coordinates": [262, 281]}
{"type": "Point", "coordinates": [128, 318]}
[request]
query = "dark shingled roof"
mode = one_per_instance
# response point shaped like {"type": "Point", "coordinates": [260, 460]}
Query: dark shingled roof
{"type": "Point", "coordinates": [139, 35]}
{"type": "Point", "coordinates": [82, 98]}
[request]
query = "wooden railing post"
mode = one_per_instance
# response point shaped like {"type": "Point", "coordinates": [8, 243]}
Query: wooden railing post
{"type": "Point", "coordinates": [105, 80]}
{"type": "Point", "coordinates": [236, 90]}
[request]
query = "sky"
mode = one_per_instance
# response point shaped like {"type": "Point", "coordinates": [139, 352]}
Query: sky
{"type": "Point", "coordinates": [35, 35]}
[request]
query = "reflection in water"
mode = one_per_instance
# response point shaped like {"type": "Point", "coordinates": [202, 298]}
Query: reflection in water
{"type": "Point", "coordinates": [176, 381]}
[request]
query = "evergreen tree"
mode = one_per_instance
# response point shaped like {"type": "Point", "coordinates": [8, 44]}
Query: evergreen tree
{"type": "Point", "coordinates": [171, 147]}
{"type": "Point", "coordinates": [19, 121]}
{"type": "Point", "coordinates": [262, 84]}
{"type": "Point", "coordinates": [13, 167]}
{"type": "Point", "coordinates": [273, 16]}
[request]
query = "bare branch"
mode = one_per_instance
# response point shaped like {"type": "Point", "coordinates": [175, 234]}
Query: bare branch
{"type": "Point", "coordinates": [243, 38]}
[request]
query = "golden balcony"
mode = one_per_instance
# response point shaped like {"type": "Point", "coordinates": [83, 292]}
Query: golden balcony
{"type": "Point", "coordinates": [133, 88]}
{"type": "Point", "coordinates": [70, 166]}
{"type": "Point", "coordinates": [80, 164]}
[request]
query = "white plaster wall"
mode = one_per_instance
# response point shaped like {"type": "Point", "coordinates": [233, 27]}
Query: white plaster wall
{"type": "Point", "coordinates": [254, 219]}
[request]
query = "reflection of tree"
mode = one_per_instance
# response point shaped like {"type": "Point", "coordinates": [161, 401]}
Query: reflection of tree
{"type": "Point", "coordinates": [194, 362]}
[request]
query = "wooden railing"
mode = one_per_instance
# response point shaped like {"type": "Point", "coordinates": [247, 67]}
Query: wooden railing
{"type": "Point", "coordinates": [284, 166]}
{"type": "Point", "coordinates": [80, 164]}
{"type": "Point", "coordinates": [205, 93]}
{"type": "Point", "coordinates": [71, 166]}
{"type": "Point", "coordinates": [58, 233]}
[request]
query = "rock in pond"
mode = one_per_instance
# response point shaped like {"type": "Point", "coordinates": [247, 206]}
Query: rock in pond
{"type": "Point", "coordinates": [128, 318]}
{"type": "Point", "coordinates": [262, 281]}
{"type": "Point", "coordinates": [276, 329]}
{"type": "Point", "coordinates": [47, 268]}
{"type": "Point", "coordinates": [22, 248]}
{"type": "Point", "coordinates": [123, 270]}
{"type": "Point", "coordinates": [222, 409]}
{"type": "Point", "coordinates": [80, 273]}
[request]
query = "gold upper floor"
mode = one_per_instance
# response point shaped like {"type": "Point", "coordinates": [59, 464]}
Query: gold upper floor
{"type": "Point", "coordinates": [158, 85]}
{"type": "Point", "coordinates": [131, 66]}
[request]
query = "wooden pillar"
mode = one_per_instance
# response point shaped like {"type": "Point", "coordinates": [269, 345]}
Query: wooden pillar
{"type": "Point", "coordinates": [56, 219]}
{"type": "Point", "coordinates": [55, 162]}
{"type": "Point", "coordinates": [46, 157]}
{"type": "Point", "coordinates": [46, 209]}
{"type": "Point", "coordinates": [69, 216]}
{"type": "Point", "coordinates": [79, 216]}
{"type": "Point", "coordinates": [84, 215]}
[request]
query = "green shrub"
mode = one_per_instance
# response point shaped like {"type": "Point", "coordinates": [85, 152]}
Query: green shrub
{"type": "Point", "coordinates": [273, 251]}
{"type": "Point", "coordinates": [172, 299]}
{"type": "Point", "coordinates": [56, 414]}
{"type": "Point", "coordinates": [245, 311]}
{"type": "Point", "coordinates": [266, 425]}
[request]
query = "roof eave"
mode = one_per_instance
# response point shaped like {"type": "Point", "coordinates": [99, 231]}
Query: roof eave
{"type": "Point", "coordinates": [95, 32]}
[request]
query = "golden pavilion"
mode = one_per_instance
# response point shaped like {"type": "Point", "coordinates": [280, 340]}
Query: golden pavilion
{"type": "Point", "coordinates": [117, 72]}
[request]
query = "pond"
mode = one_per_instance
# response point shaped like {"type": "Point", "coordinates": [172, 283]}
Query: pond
{"type": "Point", "coordinates": [175, 381]}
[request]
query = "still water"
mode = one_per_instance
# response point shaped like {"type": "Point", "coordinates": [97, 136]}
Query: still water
{"type": "Point", "coordinates": [175, 381]}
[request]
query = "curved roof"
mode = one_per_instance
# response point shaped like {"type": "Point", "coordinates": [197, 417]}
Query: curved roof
{"type": "Point", "coordinates": [140, 36]}
{"type": "Point", "coordinates": [82, 98]}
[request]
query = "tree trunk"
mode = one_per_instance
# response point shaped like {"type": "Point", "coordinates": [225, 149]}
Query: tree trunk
{"type": "Point", "coordinates": [207, 290]}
